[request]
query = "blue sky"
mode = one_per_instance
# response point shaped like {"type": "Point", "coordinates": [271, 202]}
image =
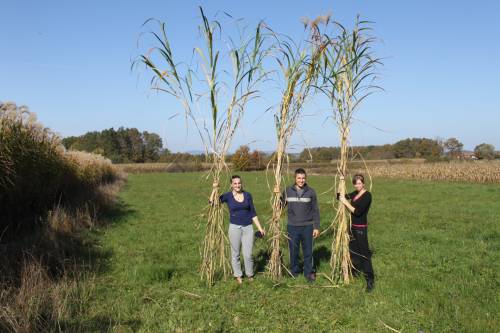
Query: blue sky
{"type": "Point", "coordinates": [69, 61]}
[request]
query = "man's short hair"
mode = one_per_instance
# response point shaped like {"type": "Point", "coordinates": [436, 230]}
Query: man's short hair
{"type": "Point", "coordinates": [300, 171]}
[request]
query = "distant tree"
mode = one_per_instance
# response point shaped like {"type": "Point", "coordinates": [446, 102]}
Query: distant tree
{"type": "Point", "coordinates": [383, 152]}
{"type": "Point", "coordinates": [241, 158]}
{"type": "Point", "coordinates": [418, 148]}
{"type": "Point", "coordinates": [256, 160]}
{"type": "Point", "coordinates": [453, 147]}
{"type": "Point", "coordinates": [404, 149]}
{"type": "Point", "coordinates": [69, 141]}
{"type": "Point", "coordinates": [152, 146]}
{"type": "Point", "coordinates": [485, 151]}
{"type": "Point", "coordinates": [318, 154]}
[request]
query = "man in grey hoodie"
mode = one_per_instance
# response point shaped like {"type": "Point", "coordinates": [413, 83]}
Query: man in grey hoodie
{"type": "Point", "coordinates": [303, 223]}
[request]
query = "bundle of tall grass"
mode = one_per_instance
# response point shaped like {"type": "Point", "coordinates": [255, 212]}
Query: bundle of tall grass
{"type": "Point", "coordinates": [214, 102]}
{"type": "Point", "coordinates": [349, 68]}
{"type": "Point", "coordinates": [299, 70]}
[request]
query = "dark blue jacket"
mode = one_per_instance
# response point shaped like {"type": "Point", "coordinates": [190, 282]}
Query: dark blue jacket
{"type": "Point", "coordinates": [240, 213]}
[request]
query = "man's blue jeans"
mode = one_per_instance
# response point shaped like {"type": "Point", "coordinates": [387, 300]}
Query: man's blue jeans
{"type": "Point", "coordinates": [301, 235]}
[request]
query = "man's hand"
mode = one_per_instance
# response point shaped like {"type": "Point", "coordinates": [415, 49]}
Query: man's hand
{"type": "Point", "coordinates": [315, 233]}
{"type": "Point", "coordinates": [343, 200]}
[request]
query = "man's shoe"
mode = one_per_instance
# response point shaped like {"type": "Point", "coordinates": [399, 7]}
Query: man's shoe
{"type": "Point", "coordinates": [311, 277]}
{"type": "Point", "coordinates": [370, 284]}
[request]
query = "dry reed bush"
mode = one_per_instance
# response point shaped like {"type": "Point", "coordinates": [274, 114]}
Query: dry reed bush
{"type": "Point", "coordinates": [299, 66]}
{"type": "Point", "coordinates": [348, 73]}
{"type": "Point", "coordinates": [63, 221]}
{"type": "Point", "coordinates": [46, 197]}
{"type": "Point", "coordinates": [91, 168]}
{"type": "Point", "coordinates": [46, 278]}
{"type": "Point", "coordinates": [31, 163]}
{"type": "Point", "coordinates": [37, 173]}
{"type": "Point", "coordinates": [41, 304]}
{"type": "Point", "coordinates": [32, 307]}
{"type": "Point", "coordinates": [214, 93]}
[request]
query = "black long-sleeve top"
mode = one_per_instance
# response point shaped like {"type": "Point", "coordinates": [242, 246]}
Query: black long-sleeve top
{"type": "Point", "coordinates": [359, 218]}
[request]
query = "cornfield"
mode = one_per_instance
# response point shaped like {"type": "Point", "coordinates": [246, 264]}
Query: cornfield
{"type": "Point", "coordinates": [483, 172]}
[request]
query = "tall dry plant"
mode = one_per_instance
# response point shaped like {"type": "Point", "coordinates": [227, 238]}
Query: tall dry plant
{"type": "Point", "coordinates": [349, 71]}
{"type": "Point", "coordinates": [299, 72]}
{"type": "Point", "coordinates": [226, 91]}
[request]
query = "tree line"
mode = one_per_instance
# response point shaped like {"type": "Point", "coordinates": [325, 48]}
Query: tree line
{"type": "Point", "coordinates": [124, 145]}
{"type": "Point", "coordinates": [129, 145]}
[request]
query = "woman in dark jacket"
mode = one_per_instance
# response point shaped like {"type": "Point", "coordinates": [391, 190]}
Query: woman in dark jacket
{"type": "Point", "coordinates": [359, 205]}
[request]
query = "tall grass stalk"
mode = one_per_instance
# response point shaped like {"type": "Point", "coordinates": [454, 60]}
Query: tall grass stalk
{"type": "Point", "coordinates": [226, 96]}
{"type": "Point", "coordinates": [349, 71]}
{"type": "Point", "coordinates": [299, 72]}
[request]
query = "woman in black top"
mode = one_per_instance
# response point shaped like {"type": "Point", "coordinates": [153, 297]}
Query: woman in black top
{"type": "Point", "coordinates": [359, 205]}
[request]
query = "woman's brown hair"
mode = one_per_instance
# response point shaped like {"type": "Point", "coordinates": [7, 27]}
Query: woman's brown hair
{"type": "Point", "coordinates": [357, 177]}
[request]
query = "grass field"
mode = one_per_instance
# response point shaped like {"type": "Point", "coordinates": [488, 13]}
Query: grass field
{"type": "Point", "coordinates": [436, 257]}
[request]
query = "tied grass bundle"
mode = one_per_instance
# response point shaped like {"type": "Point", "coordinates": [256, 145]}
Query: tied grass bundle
{"type": "Point", "coordinates": [222, 98]}
{"type": "Point", "coordinates": [299, 71]}
{"type": "Point", "coordinates": [349, 71]}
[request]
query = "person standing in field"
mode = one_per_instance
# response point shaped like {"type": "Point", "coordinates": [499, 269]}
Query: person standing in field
{"type": "Point", "coordinates": [303, 223]}
{"type": "Point", "coordinates": [359, 205]}
{"type": "Point", "coordinates": [241, 236]}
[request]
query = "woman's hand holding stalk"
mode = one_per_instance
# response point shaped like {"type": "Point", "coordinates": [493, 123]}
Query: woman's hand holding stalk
{"type": "Point", "coordinates": [255, 220]}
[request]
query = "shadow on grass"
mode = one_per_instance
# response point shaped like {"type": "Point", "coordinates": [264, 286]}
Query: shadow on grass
{"type": "Point", "coordinates": [117, 214]}
{"type": "Point", "coordinates": [260, 261]}
{"type": "Point", "coordinates": [320, 255]}
{"type": "Point", "coordinates": [60, 252]}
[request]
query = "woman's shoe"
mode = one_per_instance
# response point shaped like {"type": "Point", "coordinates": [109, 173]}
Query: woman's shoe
{"type": "Point", "coordinates": [239, 280]}
{"type": "Point", "coordinates": [250, 278]}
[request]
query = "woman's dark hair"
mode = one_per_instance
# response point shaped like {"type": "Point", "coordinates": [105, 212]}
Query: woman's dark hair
{"type": "Point", "coordinates": [300, 171]}
{"type": "Point", "coordinates": [357, 177]}
{"type": "Point", "coordinates": [234, 177]}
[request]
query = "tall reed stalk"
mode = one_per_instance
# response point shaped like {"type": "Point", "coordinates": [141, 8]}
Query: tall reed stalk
{"type": "Point", "coordinates": [299, 72]}
{"type": "Point", "coordinates": [226, 95]}
{"type": "Point", "coordinates": [349, 71]}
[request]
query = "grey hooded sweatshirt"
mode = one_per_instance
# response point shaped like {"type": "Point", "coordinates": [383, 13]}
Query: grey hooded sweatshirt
{"type": "Point", "coordinates": [302, 206]}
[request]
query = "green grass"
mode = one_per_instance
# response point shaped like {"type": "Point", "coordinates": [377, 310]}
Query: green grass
{"type": "Point", "coordinates": [436, 257]}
